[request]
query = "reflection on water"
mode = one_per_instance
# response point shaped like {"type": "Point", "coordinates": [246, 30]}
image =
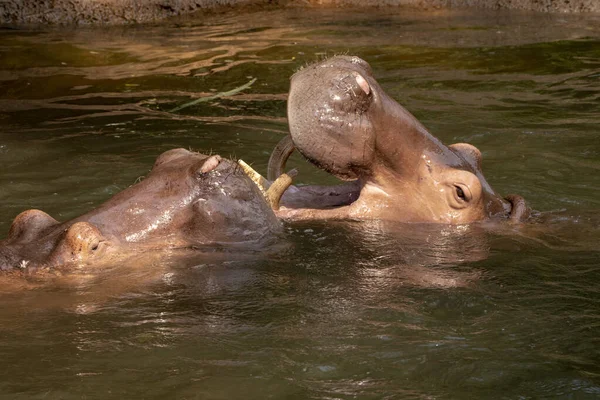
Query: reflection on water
{"type": "Point", "coordinates": [339, 310]}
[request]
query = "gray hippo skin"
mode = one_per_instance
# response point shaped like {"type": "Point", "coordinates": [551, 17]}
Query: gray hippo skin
{"type": "Point", "coordinates": [188, 199]}
{"type": "Point", "coordinates": [342, 121]}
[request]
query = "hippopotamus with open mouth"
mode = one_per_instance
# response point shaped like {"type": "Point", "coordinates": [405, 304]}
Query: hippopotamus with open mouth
{"type": "Point", "coordinates": [188, 199]}
{"type": "Point", "coordinates": [341, 120]}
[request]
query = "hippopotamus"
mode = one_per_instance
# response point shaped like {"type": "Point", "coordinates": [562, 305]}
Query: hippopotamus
{"type": "Point", "coordinates": [188, 199]}
{"type": "Point", "coordinates": [341, 120]}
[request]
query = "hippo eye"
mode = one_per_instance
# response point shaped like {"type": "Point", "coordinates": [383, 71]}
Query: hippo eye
{"type": "Point", "coordinates": [464, 191]}
{"type": "Point", "coordinates": [460, 193]}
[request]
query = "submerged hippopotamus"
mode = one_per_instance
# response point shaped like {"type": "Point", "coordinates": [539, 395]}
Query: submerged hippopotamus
{"type": "Point", "coordinates": [342, 121]}
{"type": "Point", "coordinates": [188, 199]}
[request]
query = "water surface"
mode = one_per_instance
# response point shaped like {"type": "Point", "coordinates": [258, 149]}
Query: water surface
{"type": "Point", "coordinates": [339, 310]}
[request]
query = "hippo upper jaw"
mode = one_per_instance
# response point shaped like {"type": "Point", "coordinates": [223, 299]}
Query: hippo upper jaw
{"type": "Point", "coordinates": [330, 103]}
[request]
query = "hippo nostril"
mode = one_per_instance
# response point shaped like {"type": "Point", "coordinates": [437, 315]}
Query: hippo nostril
{"type": "Point", "coordinates": [364, 85]}
{"type": "Point", "coordinates": [519, 210]}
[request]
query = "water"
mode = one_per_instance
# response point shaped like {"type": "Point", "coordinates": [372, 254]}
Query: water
{"type": "Point", "coordinates": [337, 310]}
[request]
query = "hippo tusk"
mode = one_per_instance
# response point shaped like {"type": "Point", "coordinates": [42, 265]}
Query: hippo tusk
{"type": "Point", "coordinates": [519, 211]}
{"type": "Point", "coordinates": [282, 151]}
{"type": "Point", "coordinates": [257, 178]}
{"type": "Point", "coordinates": [271, 192]}
{"type": "Point", "coordinates": [278, 187]}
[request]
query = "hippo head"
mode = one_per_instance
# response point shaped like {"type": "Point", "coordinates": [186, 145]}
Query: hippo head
{"type": "Point", "coordinates": [341, 120]}
{"type": "Point", "coordinates": [188, 199]}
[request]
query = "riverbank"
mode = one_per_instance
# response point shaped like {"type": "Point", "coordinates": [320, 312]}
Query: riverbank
{"type": "Point", "coordinates": [118, 12]}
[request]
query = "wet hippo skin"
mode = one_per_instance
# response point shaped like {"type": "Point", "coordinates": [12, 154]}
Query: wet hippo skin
{"type": "Point", "coordinates": [187, 199]}
{"type": "Point", "coordinates": [342, 121]}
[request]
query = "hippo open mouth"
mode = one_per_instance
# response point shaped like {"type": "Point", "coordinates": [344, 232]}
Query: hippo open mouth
{"type": "Point", "coordinates": [342, 121]}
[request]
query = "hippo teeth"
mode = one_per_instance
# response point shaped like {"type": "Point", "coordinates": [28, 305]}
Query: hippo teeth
{"type": "Point", "coordinates": [271, 192]}
{"type": "Point", "coordinates": [278, 187]}
{"type": "Point", "coordinates": [257, 178]}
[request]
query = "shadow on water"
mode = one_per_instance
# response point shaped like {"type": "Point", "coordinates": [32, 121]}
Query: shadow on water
{"type": "Point", "coordinates": [339, 310]}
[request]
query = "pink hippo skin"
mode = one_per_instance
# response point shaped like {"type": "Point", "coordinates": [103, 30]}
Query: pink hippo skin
{"type": "Point", "coordinates": [343, 122]}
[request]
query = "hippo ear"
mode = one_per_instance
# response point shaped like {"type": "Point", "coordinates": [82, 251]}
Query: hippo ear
{"type": "Point", "coordinates": [78, 243]}
{"type": "Point", "coordinates": [29, 224]}
{"type": "Point", "coordinates": [469, 153]}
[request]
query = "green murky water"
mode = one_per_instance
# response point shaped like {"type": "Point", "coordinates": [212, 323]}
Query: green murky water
{"type": "Point", "coordinates": [368, 311]}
